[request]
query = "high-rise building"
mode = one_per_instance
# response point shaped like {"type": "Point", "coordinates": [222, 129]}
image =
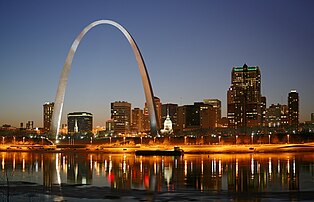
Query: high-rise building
{"type": "Point", "coordinates": [208, 116]}
{"type": "Point", "coordinates": [217, 109]}
{"type": "Point", "coordinates": [146, 115]}
{"type": "Point", "coordinates": [110, 125]}
{"type": "Point", "coordinates": [263, 111]}
{"type": "Point", "coordinates": [277, 115]}
{"type": "Point", "coordinates": [121, 116]}
{"type": "Point", "coordinates": [171, 110]}
{"type": "Point", "coordinates": [137, 120]}
{"type": "Point", "coordinates": [30, 125]}
{"type": "Point", "coordinates": [188, 118]}
{"type": "Point", "coordinates": [197, 116]}
{"type": "Point", "coordinates": [80, 122]}
{"type": "Point", "coordinates": [244, 97]}
{"type": "Point", "coordinates": [293, 108]}
{"type": "Point", "coordinates": [47, 115]}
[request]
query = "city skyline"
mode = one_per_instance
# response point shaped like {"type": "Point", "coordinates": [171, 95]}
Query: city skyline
{"type": "Point", "coordinates": [189, 49]}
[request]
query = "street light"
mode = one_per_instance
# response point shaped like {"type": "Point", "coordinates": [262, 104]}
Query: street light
{"type": "Point", "coordinates": [236, 139]}
{"type": "Point", "coordinates": [141, 140]}
{"type": "Point", "coordinates": [268, 139]}
{"type": "Point", "coordinates": [91, 140]}
{"type": "Point", "coordinates": [288, 138]}
{"type": "Point", "coordinates": [2, 139]}
{"type": "Point", "coordinates": [252, 138]}
{"type": "Point", "coordinates": [23, 140]}
{"type": "Point", "coordinates": [219, 139]}
{"type": "Point", "coordinates": [110, 139]}
{"type": "Point", "coordinates": [184, 139]}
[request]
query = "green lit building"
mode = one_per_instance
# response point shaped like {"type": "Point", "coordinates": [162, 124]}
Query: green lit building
{"type": "Point", "coordinates": [244, 98]}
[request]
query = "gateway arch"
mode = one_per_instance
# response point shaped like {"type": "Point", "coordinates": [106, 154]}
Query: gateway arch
{"type": "Point", "coordinates": [59, 100]}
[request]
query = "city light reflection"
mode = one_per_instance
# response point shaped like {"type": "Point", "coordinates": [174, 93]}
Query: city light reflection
{"type": "Point", "coordinates": [215, 172]}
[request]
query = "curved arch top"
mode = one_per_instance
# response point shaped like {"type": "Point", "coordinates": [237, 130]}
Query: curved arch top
{"type": "Point", "coordinates": [58, 105]}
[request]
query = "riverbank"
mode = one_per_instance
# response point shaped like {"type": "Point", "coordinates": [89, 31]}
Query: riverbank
{"type": "Point", "coordinates": [188, 149]}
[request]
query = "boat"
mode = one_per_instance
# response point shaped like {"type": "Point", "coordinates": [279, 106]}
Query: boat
{"type": "Point", "coordinates": [175, 152]}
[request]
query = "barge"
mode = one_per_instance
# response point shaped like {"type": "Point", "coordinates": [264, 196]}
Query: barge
{"type": "Point", "coordinates": [175, 152]}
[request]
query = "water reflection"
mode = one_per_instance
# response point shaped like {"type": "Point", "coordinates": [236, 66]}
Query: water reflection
{"type": "Point", "coordinates": [206, 173]}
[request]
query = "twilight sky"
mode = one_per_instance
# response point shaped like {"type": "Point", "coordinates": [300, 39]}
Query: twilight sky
{"type": "Point", "coordinates": [189, 48]}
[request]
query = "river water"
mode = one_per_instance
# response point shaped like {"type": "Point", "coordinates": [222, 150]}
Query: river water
{"type": "Point", "coordinates": [193, 174]}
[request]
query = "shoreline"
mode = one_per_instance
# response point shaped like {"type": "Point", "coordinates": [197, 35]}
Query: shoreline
{"type": "Point", "coordinates": [188, 149]}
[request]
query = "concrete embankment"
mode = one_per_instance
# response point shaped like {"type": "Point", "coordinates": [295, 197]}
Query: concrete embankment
{"type": "Point", "coordinates": [188, 149]}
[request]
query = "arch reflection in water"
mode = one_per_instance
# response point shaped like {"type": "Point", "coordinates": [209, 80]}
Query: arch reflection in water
{"type": "Point", "coordinates": [231, 173]}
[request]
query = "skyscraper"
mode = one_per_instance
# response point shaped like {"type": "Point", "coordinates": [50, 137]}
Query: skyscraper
{"type": "Point", "coordinates": [47, 115]}
{"type": "Point", "coordinates": [244, 97]}
{"type": "Point", "coordinates": [217, 109]}
{"type": "Point", "coordinates": [197, 116]}
{"type": "Point", "coordinates": [146, 116]}
{"type": "Point", "coordinates": [80, 122]}
{"type": "Point", "coordinates": [137, 120]}
{"type": "Point", "coordinates": [121, 116]}
{"type": "Point", "coordinates": [276, 115]}
{"type": "Point", "coordinates": [263, 111]}
{"type": "Point", "coordinates": [293, 108]}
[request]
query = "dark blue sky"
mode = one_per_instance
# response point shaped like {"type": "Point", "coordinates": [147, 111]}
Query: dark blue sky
{"type": "Point", "coordinates": [189, 48]}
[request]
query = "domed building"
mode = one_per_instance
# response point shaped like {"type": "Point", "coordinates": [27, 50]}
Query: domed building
{"type": "Point", "coordinates": [167, 126]}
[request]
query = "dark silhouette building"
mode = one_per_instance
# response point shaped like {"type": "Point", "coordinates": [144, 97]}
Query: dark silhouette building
{"type": "Point", "coordinates": [293, 108]}
{"type": "Point", "coordinates": [244, 97]}
{"type": "Point", "coordinates": [197, 116]}
{"type": "Point", "coordinates": [47, 115]}
{"type": "Point", "coordinates": [146, 115]}
{"type": "Point", "coordinates": [121, 116]}
{"type": "Point", "coordinates": [137, 120]}
{"type": "Point", "coordinates": [263, 111]}
{"type": "Point", "coordinates": [80, 122]}
{"type": "Point", "coordinates": [217, 109]}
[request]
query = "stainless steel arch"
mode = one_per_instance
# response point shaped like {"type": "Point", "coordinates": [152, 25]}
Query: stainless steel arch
{"type": "Point", "coordinates": [58, 105]}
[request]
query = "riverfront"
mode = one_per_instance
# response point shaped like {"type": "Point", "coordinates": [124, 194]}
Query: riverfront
{"type": "Point", "coordinates": [188, 149]}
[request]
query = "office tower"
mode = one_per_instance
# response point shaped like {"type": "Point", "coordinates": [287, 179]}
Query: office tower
{"type": "Point", "coordinates": [137, 120]}
{"type": "Point", "coordinates": [110, 125]}
{"type": "Point", "coordinates": [197, 116]}
{"type": "Point", "coordinates": [30, 125]}
{"type": "Point", "coordinates": [284, 115]}
{"type": "Point", "coordinates": [146, 116]}
{"type": "Point", "coordinates": [188, 118]}
{"type": "Point", "coordinates": [171, 110]}
{"type": "Point", "coordinates": [121, 116]}
{"type": "Point", "coordinates": [224, 122]}
{"type": "Point", "coordinates": [80, 122]}
{"type": "Point", "coordinates": [47, 114]}
{"type": "Point", "coordinates": [293, 107]}
{"type": "Point", "coordinates": [208, 117]}
{"type": "Point", "coordinates": [244, 97]}
{"type": "Point", "coordinates": [217, 109]}
{"type": "Point", "coordinates": [277, 115]}
{"type": "Point", "coordinates": [263, 111]}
